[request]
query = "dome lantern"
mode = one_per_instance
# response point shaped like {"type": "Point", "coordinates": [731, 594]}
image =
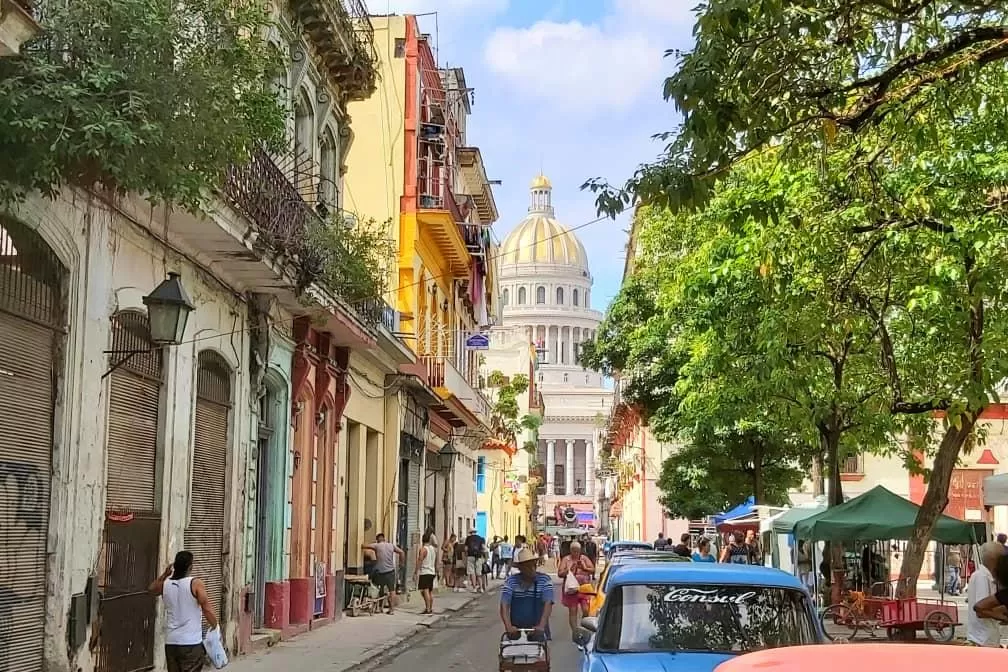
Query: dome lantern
{"type": "Point", "coordinates": [540, 239]}
{"type": "Point", "coordinates": [540, 195]}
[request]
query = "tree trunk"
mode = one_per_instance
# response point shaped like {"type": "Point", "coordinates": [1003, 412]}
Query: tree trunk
{"type": "Point", "coordinates": [757, 472]}
{"type": "Point", "coordinates": [935, 500]}
{"type": "Point", "coordinates": [829, 439]}
{"type": "Point", "coordinates": [818, 486]}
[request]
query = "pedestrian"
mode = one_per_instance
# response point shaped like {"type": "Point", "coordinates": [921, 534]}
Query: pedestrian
{"type": "Point", "coordinates": [485, 569]}
{"type": "Point", "coordinates": [423, 575]}
{"type": "Point", "coordinates": [661, 543]}
{"type": "Point", "coordinates": [461, 564]}
{"type": "Point", "coordinates": [495, 558]}
{"type": "Point", "coordinates": [590, 549]}
{"type": "Point", "coordinates": [386, 555]}
{"type": "Point", "coordinates": [953, 568]}
{"type": "Point", "coordinates": [981, 622]}
{"type": "Point", "coordinates": [520, 543]}
{"type": "Point", "coordinates": [736, 552]}
{"type": "Point", "coordinates": [186, 604]}
{"type": "Point", "coordinates": [703, 554]}
{"type": "Point", "coordinates": [506, 555]}
{"type": "Point", "coordinates": [682, 549]}
{"type": "Point", "coordinates": [996, 606]}
{"type": "Point", "coordinates": [752, 543]}
{"type": "Point", "coordinates": [526, 600]}
{"type": "Point", "coordinates": [803, 562]}
{"type": "Point", "coordinates": [1002, 538]}
{"type": "Point", "coordinates": [448, 561]}
{"type": "Point", "coordinates": [580, 566]}
{"type": "Point", "coordinates": [475, 547]}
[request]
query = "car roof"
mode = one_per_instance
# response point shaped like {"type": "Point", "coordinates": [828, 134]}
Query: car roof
{"type": "Point", "coordinates": [645, 556]}
{"type": "Point", "coordinates": [897, 656]}
{"type": "Point", "coordinates": [629, 544]}
{"type": "Point", "coordinates": [702, 572]}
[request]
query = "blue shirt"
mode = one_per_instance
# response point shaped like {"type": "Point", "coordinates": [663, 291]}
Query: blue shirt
{"type": "Point", "coordinates": [698, 558]}
{"type": "Point", "coordinates": [527, 601]}
{"type": "Point", "coordinates": [506, 550]}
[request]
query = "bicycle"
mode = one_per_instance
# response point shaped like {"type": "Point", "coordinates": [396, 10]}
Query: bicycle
{"type": "Point", "coordinates": [855, 613]}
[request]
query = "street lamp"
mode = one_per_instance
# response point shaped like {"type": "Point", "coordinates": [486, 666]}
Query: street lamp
{"type": "Point", "coordinates": [168, 308]}
{"type": "Point", "coordinates": [448, 455]}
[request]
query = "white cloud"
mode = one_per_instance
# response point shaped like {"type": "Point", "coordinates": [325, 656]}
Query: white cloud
{"type": "Point", "coordinates": [608, 65]}
{"type": "Point", "coordinates": [575, 66]}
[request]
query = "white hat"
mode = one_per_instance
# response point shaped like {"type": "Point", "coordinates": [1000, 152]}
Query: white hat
{"type": "Point", "coordinates": [524, 555]}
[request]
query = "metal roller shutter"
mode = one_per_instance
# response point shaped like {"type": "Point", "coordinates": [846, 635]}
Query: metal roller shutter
{"type": "Point", "coordinates": [26, 419]}
{"type": "Point", "coordinates": [204, 536]}
{"type": "Point", "coordinates": [134, 403]}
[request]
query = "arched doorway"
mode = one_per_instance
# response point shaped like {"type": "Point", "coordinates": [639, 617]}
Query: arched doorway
{"type": "Point", "coordinates": [129, 555]}
{"type": "Point", "coordinates": [32, 319]}
{"type": "Point", "coordinates": [204, 535]}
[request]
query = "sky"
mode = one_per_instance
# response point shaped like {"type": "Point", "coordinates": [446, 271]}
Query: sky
{"type": "Point", "coordinates": [571, 87]}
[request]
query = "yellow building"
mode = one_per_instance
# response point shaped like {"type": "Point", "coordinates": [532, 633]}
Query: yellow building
{"type": "Point", "coordinates": [409, 165]}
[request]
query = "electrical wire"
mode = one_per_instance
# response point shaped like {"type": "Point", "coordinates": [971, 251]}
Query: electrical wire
{"type": "Point", "coordinates": [399, 288]}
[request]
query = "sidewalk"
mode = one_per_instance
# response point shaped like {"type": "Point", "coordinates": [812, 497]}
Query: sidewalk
{"type": "Point", "coordinates": [352, 641]}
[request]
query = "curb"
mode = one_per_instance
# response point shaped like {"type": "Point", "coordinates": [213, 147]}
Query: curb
{"type": "Point", "coordinates": [392, 649]}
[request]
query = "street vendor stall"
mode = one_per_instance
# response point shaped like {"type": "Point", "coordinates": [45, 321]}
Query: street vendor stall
{"type": "Point", "coordinates": [784, 548]}
{"type": "Point", "coordinates": [880, 515]}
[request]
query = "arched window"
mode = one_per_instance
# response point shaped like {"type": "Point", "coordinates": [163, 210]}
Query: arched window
{"type": "Point", "coordinates": [560, 296]}
{"type": "Point", "coordinates": [506, 297]}
{"type": "Point", "coordinates": [329, 180]}
{"type": "Point", "coordinates": [521, 296]}
{"type": "Point", "coordinates": [574, 297]}
{"type": "Point", "coordinates": [540, 294]}
{"type": "Point", "coordinates": [565, 377]}
{"type": "Point", "coordinates": [304, 147]}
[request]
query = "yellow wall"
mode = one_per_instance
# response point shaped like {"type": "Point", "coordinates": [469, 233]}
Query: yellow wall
{"type": "Point", "coordinates": [374, 179]}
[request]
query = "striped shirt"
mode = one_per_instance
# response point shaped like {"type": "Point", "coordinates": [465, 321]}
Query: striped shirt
{"type": "Point", "coordinates": [516, 587]}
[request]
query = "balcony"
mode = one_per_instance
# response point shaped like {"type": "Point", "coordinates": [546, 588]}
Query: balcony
{"type": "Point", "coordinates": [476, 185]}
{"type": "Point", "coordinates": [273, 200]}
{"type": "Point", "coordinates": [449, 382]}
{"type": "Point", "coordinates": [343, 38]}
{"type": "Point", "coordinates": [852, 468]}
{"type": "Point", "coordinates": [441, 215]}
{"type": "Point", "coordinates": [17, 26]}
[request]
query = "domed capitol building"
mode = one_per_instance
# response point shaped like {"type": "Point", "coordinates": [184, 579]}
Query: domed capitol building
{"type": "Point", "coordinates": [546, 290]}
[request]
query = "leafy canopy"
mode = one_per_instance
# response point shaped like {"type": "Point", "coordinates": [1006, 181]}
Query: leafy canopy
{"type": "Point", "coordinates": [796, 71]}
{"type": "Point", "coordinates": [153, 97]}
{"type": "Point", "coordinates": [504, 421]}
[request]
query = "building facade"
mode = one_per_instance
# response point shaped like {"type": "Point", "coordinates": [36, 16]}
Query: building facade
{"type": "Point", "coordinates": [546, 287]}
{"type": "Point", "coordinates": [432, 190]}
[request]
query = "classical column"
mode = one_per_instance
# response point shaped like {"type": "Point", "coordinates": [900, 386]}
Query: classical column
{"type": "Point", "coordinates": [550, 466]}
{"type": "Point", "coordinates": [589, 470]}
{"type": "Point", "coordinates": [569, 469]}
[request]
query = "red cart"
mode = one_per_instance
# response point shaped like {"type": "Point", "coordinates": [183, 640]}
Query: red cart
{"type": "Point", "coordinates": [903, 617]}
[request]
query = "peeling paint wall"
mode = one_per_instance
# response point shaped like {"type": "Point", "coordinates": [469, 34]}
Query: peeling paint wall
{"type": "Point", "coordinates": [113, 263]}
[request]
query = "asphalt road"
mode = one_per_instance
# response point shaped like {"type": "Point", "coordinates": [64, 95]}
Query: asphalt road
{"type": "Point", "coordinates": [468, 642]}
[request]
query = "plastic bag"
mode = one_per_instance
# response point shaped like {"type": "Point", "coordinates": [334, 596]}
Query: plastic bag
{"type": "Point", "coordinates": [571, 585]}
{"type": "Point", "coordinates": [214, 645]}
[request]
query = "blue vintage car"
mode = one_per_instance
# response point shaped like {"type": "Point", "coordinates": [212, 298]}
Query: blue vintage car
{"type": "Point", "coordinates": [690, 617]}
{"type": "Point", "coordinates": [615, 546]}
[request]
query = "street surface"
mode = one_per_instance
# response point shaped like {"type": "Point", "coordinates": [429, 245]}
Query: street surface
{"type": "Point", "coordinates": [468, 642]}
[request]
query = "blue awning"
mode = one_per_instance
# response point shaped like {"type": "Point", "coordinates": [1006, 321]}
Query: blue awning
{"type": "Point", "coordinates": [739, 511]}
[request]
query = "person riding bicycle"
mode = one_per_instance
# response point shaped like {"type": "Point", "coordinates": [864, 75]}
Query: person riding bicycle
{"type": "Point", "coordinates": [527, 599]}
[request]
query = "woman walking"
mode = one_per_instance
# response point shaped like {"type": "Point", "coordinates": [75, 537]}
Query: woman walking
{"type": "Point", "coordinates": [702, 552]}
{"type": "Point", "coordinates": [577, 602]}
{"type": "Point", "coordinates": [448, 561]}
{"type": "Point", "coordinates": [186, 605]}
{"type": "Point", "coordinates": [425, 570]}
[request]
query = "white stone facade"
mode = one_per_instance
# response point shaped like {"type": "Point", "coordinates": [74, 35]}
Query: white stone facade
{"type": "Point", "coordinates": [546, 289]}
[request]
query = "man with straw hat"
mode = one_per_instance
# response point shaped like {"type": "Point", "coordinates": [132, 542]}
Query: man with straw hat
{"type": "Point", "coordinates": [527, 598]}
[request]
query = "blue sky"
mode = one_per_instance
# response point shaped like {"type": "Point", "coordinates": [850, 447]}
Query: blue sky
{"type": "Point", "coordinates": [573, 86]}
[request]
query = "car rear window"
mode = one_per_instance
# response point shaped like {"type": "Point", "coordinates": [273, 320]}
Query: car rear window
{"type": "Point", "coordinates": [706, 618]}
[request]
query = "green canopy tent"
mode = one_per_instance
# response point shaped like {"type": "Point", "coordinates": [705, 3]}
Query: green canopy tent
{"type": "Point", "coordinates": [878, 514]}
{"type": "Point", "coordinates": [784, 523]}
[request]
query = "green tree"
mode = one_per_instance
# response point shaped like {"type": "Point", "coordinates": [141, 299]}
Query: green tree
{"type": "Point", "coordinates": [719, 468]}
{"type": "Point", "coordinates": [157, 98]}
{"type": "Point", "coordinates": [505, 421]}
{"type": "Point", "coordinates": [802, 72]}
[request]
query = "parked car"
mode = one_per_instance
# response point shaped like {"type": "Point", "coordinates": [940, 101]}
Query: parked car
{"type": "Point", "coordinates": [691, 617]}
{"type": "Point", "coordinates": [626, 557]}
{"type": "Point", "coordinates": [616, 546]}
{"type": "Point", "coordinates": [917, 657]}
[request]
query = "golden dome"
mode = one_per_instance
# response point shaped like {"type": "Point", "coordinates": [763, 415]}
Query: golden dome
{"type": "Point", "coordinates": [541, 182]}
{"type": "Point", "coordinates": [541, 239]}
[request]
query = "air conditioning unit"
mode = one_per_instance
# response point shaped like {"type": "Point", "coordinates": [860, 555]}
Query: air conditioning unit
{"type": "Point", "coordinates": [350, 220]}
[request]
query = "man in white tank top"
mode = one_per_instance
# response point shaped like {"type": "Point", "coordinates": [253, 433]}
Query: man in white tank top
{"type": "Point", "coordinates": [186, 605]}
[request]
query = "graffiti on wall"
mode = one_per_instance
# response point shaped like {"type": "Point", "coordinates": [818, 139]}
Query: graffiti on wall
{"type": "Point", "coordinates": [24, 503]}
